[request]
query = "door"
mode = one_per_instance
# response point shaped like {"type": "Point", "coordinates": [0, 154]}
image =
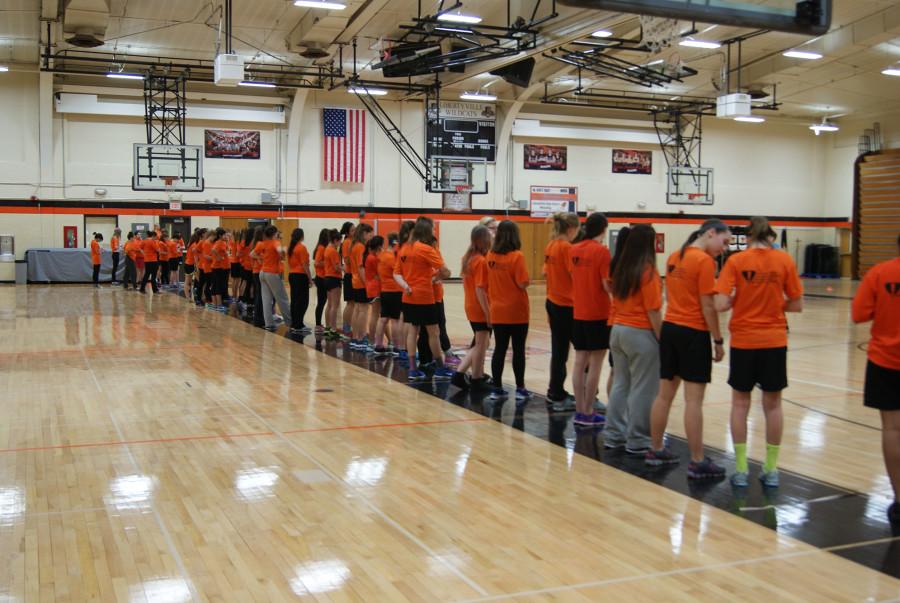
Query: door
{"type": "Point", "coordinates": [105, 225]}
{"type": "Point", "coordinates": [235, 224]}
{"type": "Point", "coordinates": [176, 225]}
{"type": "Point", "coordinates": [535, 237]}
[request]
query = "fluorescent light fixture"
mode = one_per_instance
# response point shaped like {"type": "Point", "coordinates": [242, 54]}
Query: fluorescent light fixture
{"type": "Point", "coordinates": [894, 71]}
{"type": "Point", "coordinates": [257, 84]}
{"type": "Point", "coordinates": [369, 91]}
{"type": "Point", "coordinates": [473, 96]}
{"type": "Point", "coordinates": [802, 54]}
{"type": "Point", "coordinates": [602, 33]}
{"type": "Point", "coordinates": [750, 119]}
{"type": "Point", "coordinates": [825, 126]}
{"type": "Point", "coordinates": [320, 4]}
{"type": "Point", "coordinates": [3, 68]}
{"type": "Point", "coordinates": [707, 44]}
{"type": "Point", "coordinates": [453, 29]}
{"type": "Point", "coordinates": [125, 76]}
{"type": "Point", "coordinates": [459, 18]}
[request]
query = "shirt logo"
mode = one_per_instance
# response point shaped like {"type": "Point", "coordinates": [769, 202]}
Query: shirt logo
{"type": "Point", "coordinates": [749, 275]}
{"type": "Point", "coordinates": [671, 268]}
{"type": "Point", "coordinates": [492, 264]}
{"type": "Point", "coordinates": [576, 260]}
{"type": "Point", "coordinates": [892, 289]}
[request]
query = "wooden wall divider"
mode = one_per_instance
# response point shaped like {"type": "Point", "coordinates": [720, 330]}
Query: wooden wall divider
{"type": "Point", "coordinates": [876, 210]}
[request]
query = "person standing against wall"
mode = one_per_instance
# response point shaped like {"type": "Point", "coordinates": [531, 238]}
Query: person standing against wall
{"type": "Point", "coordinates": [319, 266]}
{"type": "Point", "coordinates": [130, 248]}
{"type": "Point", "coordinates": [300, 283]}
{"type": "Point", "coordinates": [96, 258]}
{"type": "Point", "coordinates": [348, 231]}
{"type": "Point", "coordinates": [114, 244]}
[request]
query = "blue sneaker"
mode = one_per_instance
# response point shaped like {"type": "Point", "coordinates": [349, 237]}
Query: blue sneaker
{"type": "Point", "coordinates": [442, 374]}
{"type": "Point", "coordinates": [583, 420]}
{"type": "Point", "coordinates": [522, 394]}
{"type": "Point", "coordinates": [416, 376]}
{"type": "Point", "coordinates": [402, 356]}
{"type": "Point", "coordinates": [740, 479]}
{"type": "Point", "coordinates": [498, 394]}
{"type": "Point", "coordinates": [769, 479]}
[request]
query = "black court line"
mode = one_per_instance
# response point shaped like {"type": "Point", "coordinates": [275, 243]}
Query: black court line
{"type": "Point", "coordinates": [811, 511]}
{"type": "Point", "coordinates": [828, 414]}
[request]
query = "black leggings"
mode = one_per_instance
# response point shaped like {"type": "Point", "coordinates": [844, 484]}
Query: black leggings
{"type": "Point", "coordinates": [130, 273]}
{"type": "Point", "coordinates": [299, 298]}
{"type": "Point", "coordinates": [115, 272]}
{"type": "Point", "coordinates": [150, 269]}
{"type": "Point", "coordinates": [502, 335]}
{"type": "Point", "coordinates": [321, 299]}
{"type": "Point", "coordinates": [96, 275]}
{"type": "Point", "coordinates": [258, 319]}
{"type": "Point", "coordinates": [561, 322]}
{"type": "Point", "coordinates": [164, 271]}
{"type": "Point", "coordinates": [425, 355]}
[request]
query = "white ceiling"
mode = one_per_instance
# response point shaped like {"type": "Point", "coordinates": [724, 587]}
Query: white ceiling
{"type": "Point", "coordinates": [865, 39]}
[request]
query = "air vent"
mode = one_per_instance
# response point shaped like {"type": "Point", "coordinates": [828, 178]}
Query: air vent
{"type": "Point", "coordinates": [85, 39]}
{"type": "Point", "coordinates": [313, 52]}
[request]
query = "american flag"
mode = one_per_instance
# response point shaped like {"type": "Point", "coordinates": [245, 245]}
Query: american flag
{"type": "Point", "coordinates": [344, 145]}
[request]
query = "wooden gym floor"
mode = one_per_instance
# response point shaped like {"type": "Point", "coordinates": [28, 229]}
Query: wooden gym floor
{"type": "Point", "coordinates": [151, 451]}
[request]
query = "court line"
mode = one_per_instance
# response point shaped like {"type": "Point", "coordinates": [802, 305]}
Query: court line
{"type": "Point", "coordinates": [828, 414]}
{"type": "Point", "coordinates": [365, 501]}
{"type": "Point", "coordinates": [811, 501]}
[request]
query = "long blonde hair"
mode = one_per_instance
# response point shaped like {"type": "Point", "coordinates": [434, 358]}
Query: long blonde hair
{"type": "Point", "coordinates": [480, 244]}
{"type": "Point", "coordinates": [562, 222]}
{"type": "Point", "coordinates": [760, 231]}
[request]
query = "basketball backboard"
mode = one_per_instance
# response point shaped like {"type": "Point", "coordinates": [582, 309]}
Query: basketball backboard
{"type": "Point", "coordinates": [170, 168]}
{"type": "Point", "coordinates": [453, 175]}
{"type": "Point", "coordinates": [690, 186]}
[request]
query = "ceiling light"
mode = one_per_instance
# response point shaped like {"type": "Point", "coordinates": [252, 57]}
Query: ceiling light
{"type": "Point", "coordinates": [369, 91]}
{"type": "Point", "coordinates": [257, 84]}
{"type": "Point", "coordinates": [125, 76]}
{"type": "Point", "coordinates": [707, 44]}
{"type": "Point", "coordinates": [454, 29]}
{"type": "Point", "coordinates": [602, 33]}
{"type": "Point", "coordinates": [320, 4]}
{"type": "Point", "coordinates": [475, 96]}
{"type": "Point", "coordinates": [894, 71]}
{"type": "Point", "coordinates": [750, 119]}
{"type": "Point", "coordinates": [802, 54]}
{"type": "Point", "coordinates": [825, 126]}
{"type": "Point", "coordinates": [3, 68]}
{"type": "Point", "coordinates": [458, 18]}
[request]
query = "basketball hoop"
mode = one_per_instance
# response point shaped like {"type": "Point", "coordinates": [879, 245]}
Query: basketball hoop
{"type": "Point", "coordinates": [169, 181]}
{"type": "Point", "coordinates": [657, 33]}
{"type": "Point", "coordinates": [462, 189]}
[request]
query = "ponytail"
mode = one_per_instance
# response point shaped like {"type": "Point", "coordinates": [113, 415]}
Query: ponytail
{"type": "Point", "coordinates": [713, 224]}
{"type": "Point", "coordinates": [760, 231]}
{"type": "Point", "coordinates": [562, 222]}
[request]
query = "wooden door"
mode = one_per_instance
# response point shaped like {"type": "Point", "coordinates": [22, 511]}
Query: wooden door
{"type": "Point", "coordinates": [877, 210]}
{"type": "Point", "coordinates": [542, 234]}
{"type": "Point", "coordinates": [233, 224]}
{"type": "Point", "coordinates": [286, 227]}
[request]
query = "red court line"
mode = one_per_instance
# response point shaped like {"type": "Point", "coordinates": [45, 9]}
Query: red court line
{"type": "Point", "coordinates": [232, 436]}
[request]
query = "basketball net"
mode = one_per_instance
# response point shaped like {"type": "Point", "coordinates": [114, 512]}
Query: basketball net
{"type": "Point", "coordinates": [463, 189]}
{"type": "Point", "coordinates": [657, 33]}
{"type": "Point", "coordinates": [171, 193]}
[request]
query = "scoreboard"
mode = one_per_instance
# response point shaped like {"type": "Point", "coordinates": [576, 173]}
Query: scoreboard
{"type": "Point", "coordinates": [461, 130]}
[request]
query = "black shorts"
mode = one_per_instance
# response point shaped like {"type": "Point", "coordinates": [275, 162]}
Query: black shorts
{"type": "Point", "coordinates": [882, 389]}
{"type": "Point", "coordinates": [189, 269]}
{"type": "Point", "coordinates": [237, 271]}
{"type": "Point", "coordinates": [220, 281]}
{"type": "Point", "coordinates": [359, 296]}
{"type": "Point", "coordinates": [348, 288]}
{"type": "Point", "coordinates": [247, 274]}
{"type": "Point", "coordinates": [173, 264]}
{"type": "Point", "coordinates": [685, 352]}
{"type": "Point", "coordinates": [332, 282]}
{"type": "Point", "coordinates": [590, 335]}
{"type": "Point", "coordinates": [766, 367]}
{"type": "Point", "coordinates": [479, 326]}
{"type": "Point", "coordinates": [421, 315]}
{"type": "Point", "coordinates": [391, 304]}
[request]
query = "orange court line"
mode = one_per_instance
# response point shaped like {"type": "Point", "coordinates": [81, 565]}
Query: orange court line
{"type": "Point", "coordinates": [230, 436]}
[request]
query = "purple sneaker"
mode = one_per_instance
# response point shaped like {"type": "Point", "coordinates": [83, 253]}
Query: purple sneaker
{"type": "Point", "coordinates": [705, 469]}
{"type": "Point", "coordinates": [655, 458]}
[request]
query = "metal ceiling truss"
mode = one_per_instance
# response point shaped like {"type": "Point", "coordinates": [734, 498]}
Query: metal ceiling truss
{"type": "Point", "coordinates": [622, 100]}
{"type": "Point", "coordinates": [680, 136]}
{"type": "Point", "coordinates": [606, 65]}
{"type": "Point", "coordinates": [165, 108]}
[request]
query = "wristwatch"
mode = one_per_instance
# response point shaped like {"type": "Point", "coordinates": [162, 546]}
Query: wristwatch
{"type": "Point", "coordinates": [719, 341]}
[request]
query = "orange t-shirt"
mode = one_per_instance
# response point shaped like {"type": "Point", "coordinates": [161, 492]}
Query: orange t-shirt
{"type": "Point", "coordinates": [417, 265]}
{"type": "Point", "coordinates": [759, 279]}
{"type": "Point", "coordinates": [589, 265]}
{"type": "Point", "coordinates": [163, 247]}
{"type": "Point", "coordinates": [95, 252]}
{"type": "Point", "coordinates": [687, 279]}
{"type": "Point", "coordinates": [205, 248]}
{"type": "Point", "coordinates": [150, 247]}
{"type": "Point", "coordinates": [179, 246]}
{"type": "Point", "coordinates": [271, 258]}
{"type": "Point", "coordinates": [508, 302]}
{"type": "Point", "coordinates": [355, 261]}
{"type": "Point", "coordinates": [386, 261]}
{"type": "Point", "coordinates": [373, 284]}
{"type": "Point", "coordinates": [319, 261]}
{"type": "Point", "coordinates": [114, 244]}
{"type": "Point", "coordinates": [232, 255]}
{"type": "Point", "coordinates": [632, 312]}
{"type": "Point", "coordinates": [221, 261]}
{"type": "Point", "coordinates": [332, 260]}
{"type": "Point", "coordinates": [556, 267]}
{"type": "Point", "coordinates": [878, 300]}
{"type": "Point", "coordinates": [475, 276]}
{"type": "Point", "coordinates": [189, 257]}
{"type": "Point", "coordinates": [173, 249]}
{"type": "Point", "coordinates": [298, 262]}
{"type": "Point", "coordinates": [131, 249]}
{"type": "Point", "coordinates": [244, 257]}
{"type": "Point", "coordinates": [345, 253]}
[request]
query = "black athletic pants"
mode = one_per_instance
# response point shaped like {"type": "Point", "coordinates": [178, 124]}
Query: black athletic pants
{"type": "Point", "coordinates": [115, 272]}
{"type": "Point", "coordinates": [321, 299]}
{"type": "Point", "coordinates": [502, 336]}
{"type": "Point", "coordinates": [96, 275]}
{"type": "Point", "coordinates": [164, 271]}
{"type": "Point", "coordinates": [130, 273]}
{"type": "Point", "coordinates": [299, 298]}
{"type": "Point", "coordinates": [258, 319]}
{"type": "Point", "coordinates": [561, 323]}
{"type": "Point", "coordinates": [150, 269]}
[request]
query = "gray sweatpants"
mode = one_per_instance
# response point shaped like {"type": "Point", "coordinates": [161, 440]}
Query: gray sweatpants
{"type": "Point", "coordinates": [635, 355]}
{"type": "Point", "coordinates": [272, 287]}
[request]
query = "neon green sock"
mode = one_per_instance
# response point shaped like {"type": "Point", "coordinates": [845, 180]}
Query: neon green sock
{"type": "Point", "coordinates": [740, 454]}
{"type": "Point", "coordinates": [771, 457]}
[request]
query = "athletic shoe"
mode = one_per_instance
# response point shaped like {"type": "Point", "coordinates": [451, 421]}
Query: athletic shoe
{"type": "Point", "coordinates": [481, 385]}
{"type": "Point", "coordinates": [271, 328]}
{"type": "Point", "coordinates": [381, 351]}
{"type": "Point", "coordinates": [498, 394]}
{"type": "Point", "coordinates": [637, 451]}
{"type": "Point", "coordinates": [588, 420]}
{"type": "Point", "coordinates": [428, 366]}
{"type": "Point", "coordinates": [769, 479]}
{"type": "Point", "coordinates": [416, 376]}
{"type": "Point", "coordinates": [319, 328]}
{"type": "Point", "coordinates": [403, 356]}
{"type": "Point", "coordinates": [613, 445]}
{"type": "Point", "coordinates": [443, 374]}
{"type": "Point", "coordinates": [740, 479]}
{"type": "Point", "coordinates": [656, 458]}
{"type": "Point", "coordinates": [705, 469]}
{"type": "Point", "coordinates": [459, 380]}
{"type": "Point", "coordinates": [294, 331]}
{"type": "Point", "coordinates": [566, 404]}
{"type": "Point", "coordinates": [451, 359]}
{"type": "Point", "coordinates": [522, 394]}
{"type": "Point", "coordinates": [599, 407]}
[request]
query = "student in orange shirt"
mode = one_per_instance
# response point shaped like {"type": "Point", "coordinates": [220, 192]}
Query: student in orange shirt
{"type": "Point", "coordinates": [300, 283]}
{"type": "Point", "coordinates": [391, 300]}
{"type": "Point", "coordinates": [588, 263]}
{"type": "Point", "coordinates": [359, 318]}
{"type": "Point", "coordinates": [686, 353]}
{"type": "Point", "coordinates": [247, 284]}
{"type": "Point", "coordinates": [205, 261]}
{"type": "Point", "coordinates": [190, 264]}
{"type": "Point", "coordinates": [319, 265]}
{"type": "Point", "coordinates": [236, 271]}
{"type": "Point", "coordinates": [114, 244]}
{"type": "Point", "coordinates": [420, 265]}
{"type": "Point", "coordinates": [634, 343]}
{"type": "Point", "coordinates": [175, 250]}
{"type": "Point", "coordinates": [559, 302]}
{"type": "Point", "coordinates": [878, 300]}
{"type": "Point", "coordinates": [406, 228]}
{"type": "Point", "coordinates": [507, 285]}
{"type": "Point", "coordinates": [758, 285]}
{"type": "Point", "coordinates": [348, 230]}
{"type": "Point", "coordinates": [150, 253]}
{"type": "Point", "coordinates": [333, 270]}
{"type": "Point", "coordinates": [96, 258]}
{"type": "Point", "coordinates": [373, 287]}
{"type": "Point", "coordinates": [130, 248]}
{"type": "Point", "coordinates": [271, 254]}
{"type": "Point", "coordinates": [163, 246]}
{"type": "Point", "coordinates": [475, 275]}
{"type": "Point", "coordinates": [221, 264]}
